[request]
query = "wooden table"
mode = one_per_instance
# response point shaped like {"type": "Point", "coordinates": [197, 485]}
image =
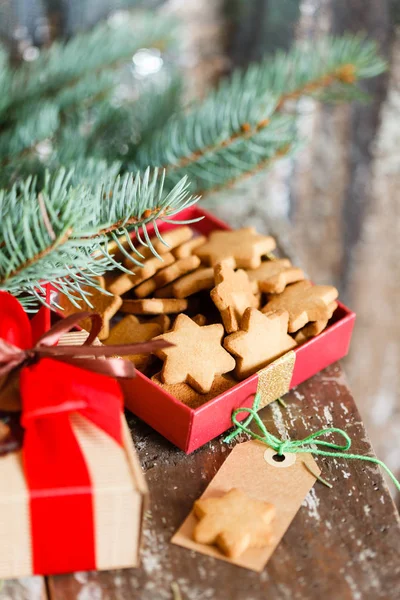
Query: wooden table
{"type": "Point", "coordinates": [343, 544]}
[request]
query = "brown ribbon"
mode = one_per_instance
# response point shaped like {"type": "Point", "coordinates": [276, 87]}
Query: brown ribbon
{"type": "Point", "coordinates": [101, 360]}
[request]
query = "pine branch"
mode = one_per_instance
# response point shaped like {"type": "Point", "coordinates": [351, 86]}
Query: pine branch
{"type": "Point", "coordinates": [63, 237]}
{"type": "Point", "coordinates": [228, 127]}
{"type": "Point", "coordinates": [62, 65]}
{"type": "Point", "coordinates": [38, 124]}
{"type": "Point", "coordinates": [36, 96]}
{"type": "Point", "coordinates": [118, 130]}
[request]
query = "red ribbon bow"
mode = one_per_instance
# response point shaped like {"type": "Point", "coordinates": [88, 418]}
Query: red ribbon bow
{"type": "Point", "coordinates": [53, 388]}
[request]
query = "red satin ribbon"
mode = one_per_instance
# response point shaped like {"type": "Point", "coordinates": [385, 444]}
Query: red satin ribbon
{"type": "Point", "coordinates": [60, 489]}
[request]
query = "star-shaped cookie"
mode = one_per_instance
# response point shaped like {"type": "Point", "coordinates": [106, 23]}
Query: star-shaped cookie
{"type": "Point", "coordinates": [131, 331]}
{"type": "Point", "coordinates": [104, 304]}
{"type": "Point", "coordinates": [261, 339]}
{"type": "Point", "coordinates": [232, 294]}
{"type": "Point", "coordinates": [234, 522]}
{"type": "Point", "coordinates": [272, 276]}
{"type": "Point", "coordinates": [197, 355]}
{"type": "Point", "coordinates": [189, 396]}
{"type": "Point", "coordinates": [242, 248]}
{"type": "Point", "coordinates": [304, 302]}
{"type": "Point", "coordinates": [314, 327]}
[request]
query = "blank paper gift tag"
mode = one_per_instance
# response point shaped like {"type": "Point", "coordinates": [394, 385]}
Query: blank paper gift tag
{"type": "Point", "coordinates": [251, 468]}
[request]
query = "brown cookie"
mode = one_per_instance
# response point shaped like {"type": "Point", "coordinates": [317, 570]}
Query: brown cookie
{"type": "Point", "coordinates": [273, 276]}
{"type": "Point", "coordinates": [189, 396]}
{"type": "Point", "coordinates": [304, 302]}
{"type": "Point", "coordinates": [261, 339]}
{"type": "Point", "coordinates": [241, 248]}
{"type": "Point", "coordinates": [131, 331]}
{"type": "Point", "coordinates": [173, 238]}
{"type": "Point", "coordinates": [5, 431]}
{"type": "Point", "coordinates": [314, 328]}
{"type": "Point", "coordinates": [232, 295]}
{"type": "Point", "coordinates": [105, 304]}
{"type": "Point", "coordinates": [162, 320]}
{"type": "Point", "coordinates": [167, 275]}
{"type": "Point", "coordinates": [177, 269]}
{"type": "Point", "coordinates": [200, 320]}
{"type": "Point", "coordinates": [126, 282]}
{"type": "Point", "coordinates": [154, 306]}
{"type": "Point", "coordinates": [187, 248]}
{"type": "Point", "coordinates": [197, 356]}
{"type": "Point", "coordinates": [234, 522]}
{"type": "Point", "coordinates": [201, 279]}
{"type": "Point", "coordinates": [165, 292]}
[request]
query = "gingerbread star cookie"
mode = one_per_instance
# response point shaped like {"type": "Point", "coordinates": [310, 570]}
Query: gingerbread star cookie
{"type": "Point", "coordinates": [187, 248]}
{"type": "Point", "coordinates": [304, 302]}
{"type": "Point", "coordinates": [105, 304]}
{"type": "Point", "coordinates": [167, 275]}
{"type": "Point", "coordinates": [234, 522]}
{"type": "Point", "coordinates": [173, 238]}
{"type": "Point", "coordinates": [232, 295]}
{"type": "Point", "coordinates": [272, 276]}
{"type": "Point", "coordinates": [261, 339]}
{"type": "Point", "coordinates": [197, 356]}
{"type": "Point", "coordinates": [126, 282]}
{"type": "Point", "coordinates": [187, 395]}
{"type": "Point", "coordinates": [314, 328]}
{"type": "Point", "coordinates": [154, 306]}
{"type": "Point", "coordinates": [242, 248]}
{"type": "Point", "coordinates": [197, 281]}
{"type": "Point", "coordinates": [131, 331]}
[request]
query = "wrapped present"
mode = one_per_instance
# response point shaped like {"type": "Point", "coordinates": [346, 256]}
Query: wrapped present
{"type": "Point", "coordinates": [72, 497]}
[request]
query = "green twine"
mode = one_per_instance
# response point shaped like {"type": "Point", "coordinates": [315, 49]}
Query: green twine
{"type": "Point", "coordinates": [307, 445]}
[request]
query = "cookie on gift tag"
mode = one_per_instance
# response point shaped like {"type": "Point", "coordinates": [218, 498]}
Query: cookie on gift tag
{"type": "Point", "coordinates": [234, 522]}
{"type": "Point", "coordinates": [187, 395]}
{"type": "Point", "coordinates": [314, 328]}
{"type": "Point", "coordinates": [125, 282]}
{"type": "Point", "coordinates": [154, 306]}
{"type": "Point", "coordinates": [131, 331]}
{"type": "Point", "coordinates": [172, 238]}
{"type": "Point", "coordinates": [197, 356]}
{"type": "Point", "coordinates": [241, 248]}
{"type": "Point", "coordinates": [187, 248]}
{"type": "Point", "coordinates": [261, 339]}
{"type": "Point", "coordinates": [304, 302]}
{"type": "Point", "coordinates": [233, 293]}
{"type": "Point", "coordinates": [167, 275]}
{"type": "Point", "coordinates": [273, 276]}
{"type": "Point", "coordinates": [105, 304]}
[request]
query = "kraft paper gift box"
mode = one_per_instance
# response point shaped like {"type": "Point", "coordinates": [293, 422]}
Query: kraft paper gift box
{"type": "Point", "coordinates": [79, 506]}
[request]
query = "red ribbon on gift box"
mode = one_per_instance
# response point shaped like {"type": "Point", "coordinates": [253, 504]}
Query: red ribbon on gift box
{"type": "Point", "coordinates": [52, 388]}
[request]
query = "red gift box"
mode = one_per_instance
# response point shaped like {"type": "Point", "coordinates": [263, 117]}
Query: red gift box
{"type": "Point", "coordinates": [190, 428]}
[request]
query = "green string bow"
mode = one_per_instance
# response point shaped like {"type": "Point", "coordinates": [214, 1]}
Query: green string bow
{"type": "Point", "coordinates": [311, 444]}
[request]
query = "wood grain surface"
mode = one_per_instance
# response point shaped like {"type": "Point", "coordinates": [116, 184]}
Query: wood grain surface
{"type": "Point", "coordinates": [343, 544]}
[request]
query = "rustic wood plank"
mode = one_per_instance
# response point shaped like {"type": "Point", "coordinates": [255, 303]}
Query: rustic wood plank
{"type": "Point", "coordinates": [27, 588]}
{"type": "Point", "coordinates": [346, 539]}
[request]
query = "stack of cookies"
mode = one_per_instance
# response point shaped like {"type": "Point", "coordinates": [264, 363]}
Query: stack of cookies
{"type": "Point", "coordinates": [228, 305]}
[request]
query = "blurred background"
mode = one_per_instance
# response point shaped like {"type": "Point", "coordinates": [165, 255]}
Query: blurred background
{"type": "Point", "coordinates": [336, 206]}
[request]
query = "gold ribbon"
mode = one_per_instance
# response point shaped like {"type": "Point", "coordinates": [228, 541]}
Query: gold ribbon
{"type": "Point", "coordinates": [274, 379]}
